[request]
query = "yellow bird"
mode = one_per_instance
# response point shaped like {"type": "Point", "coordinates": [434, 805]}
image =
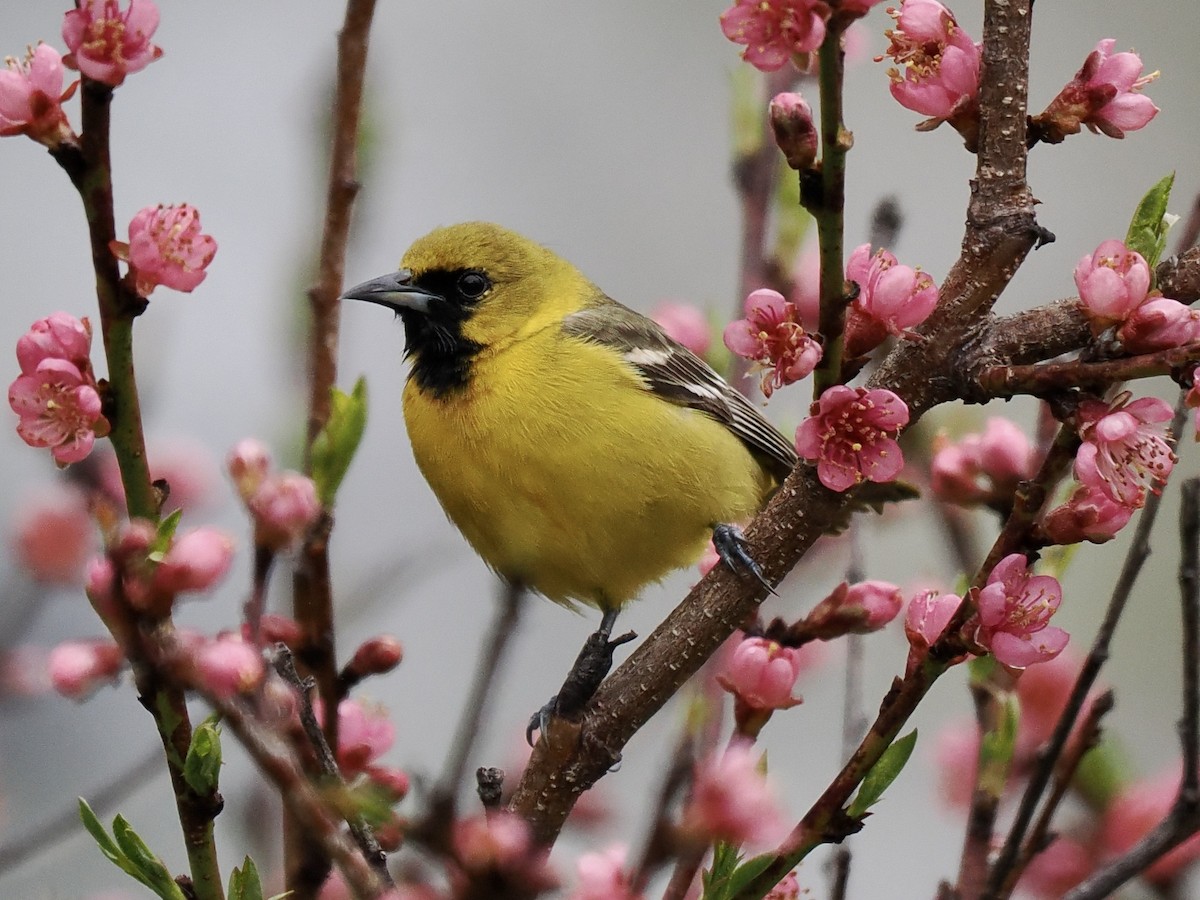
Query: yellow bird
{"type": "Point", "coordinates": [581, 451]}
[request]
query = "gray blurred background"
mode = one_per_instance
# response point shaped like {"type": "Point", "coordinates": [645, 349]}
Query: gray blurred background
{"type": "Point", "coordinates": [603, 131]}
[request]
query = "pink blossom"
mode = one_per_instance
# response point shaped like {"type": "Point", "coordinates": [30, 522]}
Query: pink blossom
{"type": "Point", "coordinates": [761, 673]}
{"type": "Point", "coordinates": [31, 97]}
{"type": "Point", "coordinates": [107, 44]}
{"type": "Point", "coordinates": [891, 299]}
{"type": "Point", "coordinates": [166, 247]}
{"type": "Point", "coordinates": [59, 408]}
{"type": "Point", "coordinates": [686, 324]}
{"type": "Point", "coordinates": [1058, 868]}
{"type": "Point", "coordinates": [602, 876]}
{"type": "Point", "coordinates": [858, 608]}
{"type": "Point", "coordinates": [365, 733]}
{"type": "Point", "coordinates": [248, 463]}
{"type": "Point", "coordinates": [982, 466]}
{"type": "Point", "coordinates": [1112, 282]}
{"type": "Point", "coordinates": [229, 666]}
{"type": "Point", "coordinates": [928, 614]}
{"type": "Point", "coordinates": [500, 848]}
{"type": "Point", "coordinates": [394, 783]}
{"type": "Point", "coordinates": [856, 6]}
{"type": "Point", "coordinates": [774, 30]}
{"type": "Point", "coordinates": [1014, 613]}
{"type": "Point", "coordinates": [196, 561]}
{"type": "Point", "coordinates": [284, 507]}
{"type": "Point", "coordinates": [1160, 324]}
{"type": "Point", "coordinates": [731, 798]}
{"type": "Point", "coordinates": [1089, 515]}
{"type": "Point", "coordinates": [938, 72]}
{"type": "Point", "coordinates": [1137, 810]}
{"type": "Point", "coordinates": [77, 668]}
{"type": "Point", "coordinates": [1105, 95]}
{"type": "Point", "coordinates": [1125, 450]}
{"type": "Point", "coordinates": [851, 436]}
{"type": "Point", "coordinates": [53, 535]}
{"type": "Point", "coordinates": [795, 132]}
{"type": "Point", "coordinates": [771, 334]}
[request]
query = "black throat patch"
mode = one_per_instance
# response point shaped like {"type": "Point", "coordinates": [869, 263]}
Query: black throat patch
{"type": "Point", "coordinates": [441, 355]}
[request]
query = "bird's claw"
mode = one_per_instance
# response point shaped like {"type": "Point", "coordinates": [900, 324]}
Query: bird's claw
{"type": "Point", "coordinates": [730, 545]}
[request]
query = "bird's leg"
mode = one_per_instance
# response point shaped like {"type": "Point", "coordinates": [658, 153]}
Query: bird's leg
{"type": "Point", "coordinates": [591, 665]}
{"type": "Point", "coordinates": [730, 544]}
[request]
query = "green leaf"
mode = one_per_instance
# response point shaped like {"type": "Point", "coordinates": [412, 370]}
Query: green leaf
{"type": "Point", "coordinates": [202, 766]}
{"type": "Point", "coordinates": [334, 448]}
{"type": "Point", "coordinates": [716, 878]}
{"type": "Point", "coordinates": [748, 871]}
{"type": "Point", "coordinates": [244, 883]}
{"type": "Point", "coordinates": [164, 535]}
{"type": "Point", "coordinates": [129, 853]}
{"type": "Point", "coordinates": [996, 749]}
{"type": "Point", "coordinates": [1148, 228]}
{"type": "Point", "coordinates": [882, 774]}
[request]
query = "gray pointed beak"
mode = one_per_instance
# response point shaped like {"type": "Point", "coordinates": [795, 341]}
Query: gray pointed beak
{"type": "Point", "coordinates": [395, 291]}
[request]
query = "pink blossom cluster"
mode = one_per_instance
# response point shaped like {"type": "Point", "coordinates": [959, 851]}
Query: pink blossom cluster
{"type": "Point", "coordinates": [56, 396]}
{"type": "Point", "coordinates": [1124, 456]}
{"type": "Point", "coordinates": [283, 505]}
{"type": "Point", "coordinates": [775, 31]}
{"type": "Point", "coordinates": [851, 436]}
{"type": "Point", "coordinates": [937, 73]}
{"type": "Point", "coordinates": [772, 335]}
{"type": "Point", "coordinates": [166, 247]}
{"type": "Point", "coordinates": [1105, 95]}
{"type": "Point", "coordinates": [982, 468]}
{"type": "Point", "coordinates": [1114, 290]}
{"type": "Point", "coordinates": [31, 97]}
{"type": "Point", "coordinates": [498, 849]}
{"type": "Point", "coordinates": [892, 298]}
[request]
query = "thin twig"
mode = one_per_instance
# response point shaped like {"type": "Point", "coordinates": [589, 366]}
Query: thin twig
{"type": "Point", "coordinates": [1049, 378]}
{"type": "Point", "coordinates": [1004, 872]}
{"type": "Point", "coordinates": [444, 797]}
{"type": "Point", "coordinates": [1184, 818]}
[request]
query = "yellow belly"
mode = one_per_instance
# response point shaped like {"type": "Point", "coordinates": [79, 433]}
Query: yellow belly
{"type": "Point", "coordinates": [586, 499]}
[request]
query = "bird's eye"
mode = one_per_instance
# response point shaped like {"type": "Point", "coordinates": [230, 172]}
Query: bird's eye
{"type": "Point", "coordinates": [473, 285]}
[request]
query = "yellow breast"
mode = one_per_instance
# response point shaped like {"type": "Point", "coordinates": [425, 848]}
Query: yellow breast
{"type": "Point", "coordinates": [580, 500]}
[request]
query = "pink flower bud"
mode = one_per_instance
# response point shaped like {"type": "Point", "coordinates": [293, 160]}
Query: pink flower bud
{"type": "Point", "coordinates": [1105, 95]}
{"type": "Point", "coordinates": [761, 674]}
{"type": "Point", "coordinates": [77, 668]}
{"type": "Point", "coordinates": [1058, 868]}
{"type": "Point", "coordinates": [284, 507]}
{"type": "Point", "coordinates": [891, 299]}
{"type": "Point", "coordinates": [392, 782]}
{"type": "Point", "coordinates": [1160, 324]}
{"type": "Point", "coordinates": [1090, 515]}
{"type": "Point", "coordinates": [364, 734]}
{"type": "Point", "coordinates": [684, 323]}
{"type": "Point", "coordinates": [107, 44]}
{"type": "Point", "coordinates": [774, 30]}
{"type": "Point", "coordinates": [377, 656]}
{"type": "Point", "coordinates": [31, 97]}
{"type": "Point", "coordinates": [875, 603]}
{"type": "Point", "coordinates": [1112, 282]}
{"type": "Point", "coordinates": [277, 629]}
{"type": "Point", "coordinates": [196, 561]}
{"type": "Point", "coordinates": [955, 473]}
{"type": "Point", "coordinates": [166, 247]}
{"type": "Point", "coordinates": [794, 129]}
{"type": "Point", "coordinates": [1005, 454]}
{"type": "Point", "coordinates": [602, 876]}
{"type": "Point", "coordinates": [731, 799]}
{"type": "Point", "coordinates": [500, 846]}
{"type": "Point", "coordinates": [60, 336]}
{"type": "Point", "coordinates": [249, 463]}
{"type": "Point", "coordinates": [54, 535]}
{"type": "Point", "coordinates": [228, 666]}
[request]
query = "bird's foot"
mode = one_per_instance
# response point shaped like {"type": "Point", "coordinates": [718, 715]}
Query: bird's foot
{"type": "Point", "coordinates": [730, 544]}
{"type": "Point", "coordinates": [593, 663]}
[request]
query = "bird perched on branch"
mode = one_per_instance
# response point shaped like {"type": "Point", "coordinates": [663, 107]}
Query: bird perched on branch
{"type": "Point", "coordinates": [581, 451]}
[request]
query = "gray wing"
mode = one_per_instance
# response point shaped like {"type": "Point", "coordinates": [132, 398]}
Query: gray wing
{"type": "Point", "coordinates": [676, 374]}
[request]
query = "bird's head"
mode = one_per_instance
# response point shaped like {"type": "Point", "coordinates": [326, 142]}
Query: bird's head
{"type": "Point", "coordinates": [475, 284]}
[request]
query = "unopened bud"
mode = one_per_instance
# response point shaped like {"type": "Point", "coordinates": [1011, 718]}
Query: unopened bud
{"type": "Point", "coordinates": [795, 132]}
